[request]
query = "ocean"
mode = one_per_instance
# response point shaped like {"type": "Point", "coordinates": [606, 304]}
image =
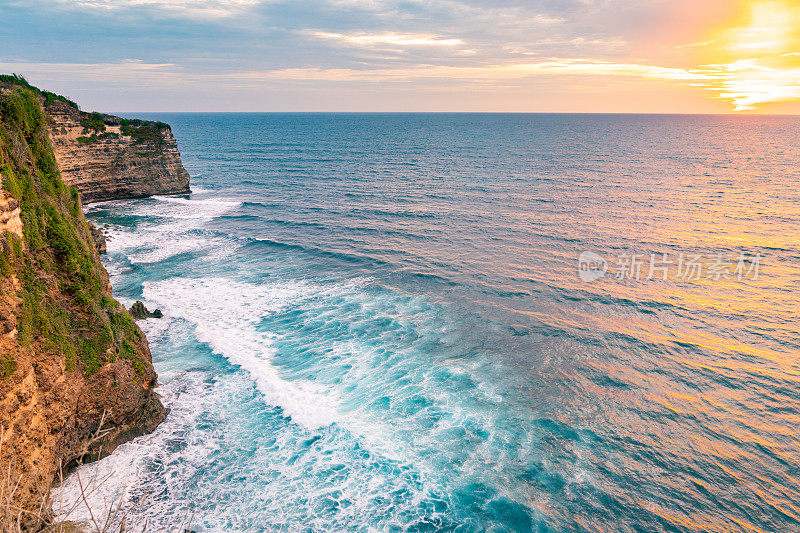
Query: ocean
{"type": "Point", "coordinates": [465, 322]}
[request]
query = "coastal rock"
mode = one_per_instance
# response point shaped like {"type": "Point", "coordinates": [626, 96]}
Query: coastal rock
{"type": "Point", "coordinates": [76, 373]}
{"type": "Point", "coordinates": [99, 238]}
{"type": "Point", "coordinates": [138, 311]}
{"type": "Point", "coordinates": [107, 157]}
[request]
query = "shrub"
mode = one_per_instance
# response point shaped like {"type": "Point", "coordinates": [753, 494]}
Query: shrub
{"type": "Point", "coordinates": [15, 79]}
{"type": "Point", "coordinates": [93, 122]}
{"type": "Point", "coordinates": [145, 132]}
{"type": "Point", "coordinates": [50, 98]}
{"type": "Point", "coordinates": [93, 138]}
{"type": "Point", "coordinates": [8, 365]}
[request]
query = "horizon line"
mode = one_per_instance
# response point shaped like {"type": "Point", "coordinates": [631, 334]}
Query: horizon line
{"type": "Point", "coordinates": [630, 113]}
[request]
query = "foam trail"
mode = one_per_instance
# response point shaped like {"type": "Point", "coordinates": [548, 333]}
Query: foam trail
{"type": "Point", "coordinates": [177, 230]}
{"type": "Point", "coordinates": [226, 314]}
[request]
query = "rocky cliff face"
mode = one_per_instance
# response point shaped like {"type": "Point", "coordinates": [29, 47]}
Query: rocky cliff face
{"type": "Point", "coordinates": [10, 220]}
{"type": "Point", "coordinates": [76, 377]}
{"type": "Point", "coordinates": [107, 157]}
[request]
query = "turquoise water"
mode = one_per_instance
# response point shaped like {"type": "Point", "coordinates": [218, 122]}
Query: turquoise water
{"type": "Point", "coordinates": [376, 323]}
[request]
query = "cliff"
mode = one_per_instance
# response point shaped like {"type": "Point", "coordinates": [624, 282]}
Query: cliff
{"type": "Point", "coordinates": [76, 377]}
{"type": "Point", "coordinates": [107, 157]}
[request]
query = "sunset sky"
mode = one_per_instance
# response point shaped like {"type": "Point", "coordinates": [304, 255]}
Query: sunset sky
{"type": "Point", "coordinates": [662, 56]}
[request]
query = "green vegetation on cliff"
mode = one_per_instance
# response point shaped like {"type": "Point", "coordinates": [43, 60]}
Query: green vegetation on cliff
{"type": "Point", "coordinates": [144, 131]}
{"type": "Point", "coordinates": [65, 309]}
{"type": "Point", "coordinates": [76, 378]}
{"type": "Point", "coordinates": [94, 122]}
{"type": "Point", "coordinates": [49, 98]}
{"type": "Point", "coordinates": [93, 138]}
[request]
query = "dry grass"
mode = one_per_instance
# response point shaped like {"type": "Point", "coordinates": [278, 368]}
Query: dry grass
{"type": "Point", "coordinates": [113, 518]}
{"type": "Point", "coordinates": [15, 519]}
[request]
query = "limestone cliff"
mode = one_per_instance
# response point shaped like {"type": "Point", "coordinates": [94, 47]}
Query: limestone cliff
{"type": "Point", "coordinates": [76, 377]}
{"type": "Point", "coordinates": [107, 157]}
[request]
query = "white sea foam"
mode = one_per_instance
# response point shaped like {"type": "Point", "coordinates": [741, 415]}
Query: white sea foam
{"type": "Point", "coordinates": [227, 456]}
{"type": "Point", "coordinates": [205, 456]}
{"type": "Point", "coordinates": [222, 465]}
{"type": "Point", "coordinates": [168, 245]}
{"type": "Point", "coordinates": [226, 314]}
{"type": "Point", "coordinates": [191, 208]}
{"type": "Point", "coordinates": [97, 491]}
{"type": "Point", "coordinates": [176, 229]}
{"type": "Point", "coordinates": [162, 242]}
{"type": "Point", "coordinates": [166, 213]}
{"type": "Point", "coordinates": [170, 206]}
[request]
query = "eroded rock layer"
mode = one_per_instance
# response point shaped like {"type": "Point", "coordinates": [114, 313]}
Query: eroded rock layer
{"type": "Point", "coordinates": [107, 157]}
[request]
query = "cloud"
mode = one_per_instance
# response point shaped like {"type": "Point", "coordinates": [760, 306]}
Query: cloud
{"type": "Point", "coordinates": [134, 69]}
{"type": "Point", "coordinates": [700, 44]}
{"type": "Point", "coordinates": [394, 39]}
{"type": "Point", "coordinates": [348, 45]}
{"type": "Point", "coordinates": [545, 19]}
{"type": "Point", "coordinates": [535, 47]}
{"type": "Point", "coordinates": [187, 8]}
{"type": "Point", "coordinates": [754, 60]}
{"type": "Point", "coordinates": [493, 72]}
{"type": "Point", "coordinates": [129, 69]}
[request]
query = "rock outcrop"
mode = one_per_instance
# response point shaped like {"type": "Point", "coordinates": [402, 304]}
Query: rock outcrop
{"type": "Point", "coordinates": [139, 312]}
{"type": "Point", "coordinates": [98, 237]}
{"type": "Point", "coordinates": [9, 213]}
{"type": "Point", "coordinates": [76, 377]}
{"type": "Point", "coordinates": [107, 157]}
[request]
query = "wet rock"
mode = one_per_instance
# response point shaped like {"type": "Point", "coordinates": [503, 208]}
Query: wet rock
{"type": "Point", "coordinates": [99, 238]}
{"type": "Point", "coordinates": [138, 311]}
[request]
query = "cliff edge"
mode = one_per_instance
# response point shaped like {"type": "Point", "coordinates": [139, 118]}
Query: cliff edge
{"type": "Point", "coordinates": [76, 377]}
{"type": "Point", "coordinates": [107, 157]}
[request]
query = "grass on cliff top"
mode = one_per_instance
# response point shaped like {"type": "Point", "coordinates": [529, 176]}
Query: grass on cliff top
{"type": "Point", "coordinates": [94, 122]}
{"type": "Point", "coordinates": [49, 98]}
{"type": "Point", "coordinates": [66, 309]}
{"type": "Point", "coordinates": [94, 126]}
{"type": "Point", "coordinates": [145, 132]}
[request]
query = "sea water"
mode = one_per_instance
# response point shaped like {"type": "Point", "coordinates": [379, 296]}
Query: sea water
{"type": "Point", "coordinates": [376, 322]}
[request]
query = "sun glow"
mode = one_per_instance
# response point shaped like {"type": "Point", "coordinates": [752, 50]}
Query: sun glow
{"type": "Point", "coordinates": [756, 60]}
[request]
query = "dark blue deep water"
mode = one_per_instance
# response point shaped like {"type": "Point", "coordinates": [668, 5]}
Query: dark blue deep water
{"type": "Point", "coordinates": [376, 323]}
